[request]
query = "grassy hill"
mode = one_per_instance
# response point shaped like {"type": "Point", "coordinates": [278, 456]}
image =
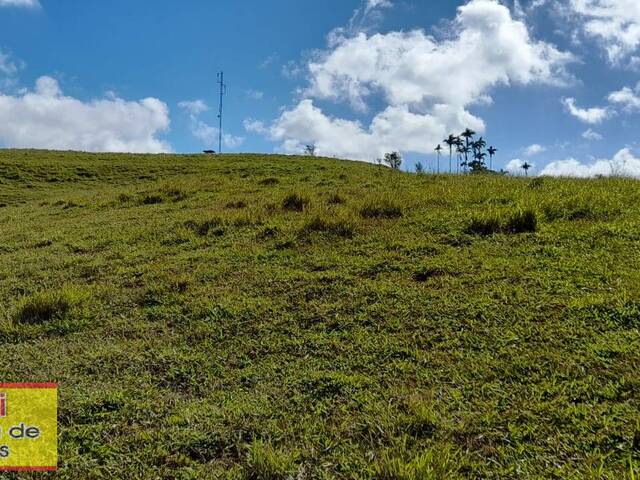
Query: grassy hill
{"type": "Point", "coordinates": [268, 317]}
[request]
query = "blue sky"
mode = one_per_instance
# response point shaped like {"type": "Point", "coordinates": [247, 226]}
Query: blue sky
{"type": "Point", "coordinates": [551, 82]}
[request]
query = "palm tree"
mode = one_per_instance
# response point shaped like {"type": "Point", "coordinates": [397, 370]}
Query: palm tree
{"type": "Point", "coordinates": [465, 150]}
{"type": "Point", "coordinates": [526, 166]}
{"type": "Point", "coordinates": [467, 135]}
{"type": "Point", "coordinates": [451, 142]}
{"type": "Point", "coordinates": [459, 146]}
{"type": "Point", "coordinates": [492, 151]}
{"type": "Point", "coordinates": [439, 150]}
{"type": "Point", "coordinates": [480, 144]}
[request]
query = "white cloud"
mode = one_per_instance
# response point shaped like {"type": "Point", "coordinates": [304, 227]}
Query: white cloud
{"type": "Point", "coordinates": [8, 66]}
{"type": "Point", "coordinates": [204, 132]}
{"type": "Point", "coordinates": [426, 83]}
{"type": "Point", "coordinates": [591, 116]}
{"type": "Point", "coordinates": [254, 94]}
{"type": "Point", "coordinates": [19, 3]}
{"type": "Point", "coordinates": [623, 164]}
{"type": "Point", "coordinates": [514, 167]}
{"type": "Point", "coordinates": [46, 118]}
{"type": "Point", "coordinates": [255, 126]}
{"type": "Point", "coordinates": [627, 98]}
{"type": "Point", "coordinates": [194, 107]}
{"type": "Point", "coordinates": [534, 149]}
{"type": "Point", "coordinates": [371, 4]}
{"type": "Point", "coordinates": [615, 23]}
{"type": "Point", "coordinates": [591, 135]}
{"type": "Point", "coordinates": [208, 135]}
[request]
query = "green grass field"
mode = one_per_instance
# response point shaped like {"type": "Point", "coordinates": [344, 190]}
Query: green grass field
{"type": "Point", "coordinates": [266, 317]}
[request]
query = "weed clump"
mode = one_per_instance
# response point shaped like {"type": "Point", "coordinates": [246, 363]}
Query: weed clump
{"type": "Point", "coordinates": [43, 307]}
{"type": "Point", "coordinates": [380, 209]}
{"type": "Point", "coordinates": [151, 200]}
{"type": "Point", "coordinates": [336, 199]}
{"type": "Point", "coordinates": [174, 194]}
{"type": "Point", "coordinates": [431, 464]}
{"type": "Point", "coordinates": [485, 226]}
{"type": "Point", "coordinates": [339, 227]}
{"type": "Point", "coordinates": [206, 227]}
{"type": "Point", "coordinates": [269, 181]}
{"type": "Point", "coordinates": [238, 205]}
{"type": "Point", "coordinates": [295, 203]}
{"type": "Point", "coordinates": [426, 273]}
{"type": "Point", "coordinates": [576, 208]}
{"type": "Point", "coordinates": [522, 221]}
{"type": "Point", "coordinates": [267, 462]}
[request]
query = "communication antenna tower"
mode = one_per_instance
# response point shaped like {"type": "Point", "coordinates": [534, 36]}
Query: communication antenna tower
{"type": "Point", "coordinates": [223, 91]}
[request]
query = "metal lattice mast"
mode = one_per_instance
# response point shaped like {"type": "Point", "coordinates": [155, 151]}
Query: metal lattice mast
{"type": "Point", "coordinates": [223, 90]}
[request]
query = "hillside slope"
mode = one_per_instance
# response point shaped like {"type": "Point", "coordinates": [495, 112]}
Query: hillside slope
{"type": "Point", "coordinates": [267, 317]}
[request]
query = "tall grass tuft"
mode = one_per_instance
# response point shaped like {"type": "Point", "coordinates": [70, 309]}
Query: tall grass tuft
{"type": "Point", "coordinates": [295, 202]}
{"type": "Point", "coordinates": [380, 208]}
{"type": "Point", "coordinates": [44, 307]}
{"type": "Point", "coordinates": [266, 462]}
{"type": "Point", "coordinates": [521, 221]}
{"type": "Point", "coordinates": [339, 226]}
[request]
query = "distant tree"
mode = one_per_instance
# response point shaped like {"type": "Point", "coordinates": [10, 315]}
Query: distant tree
{"type": "Point", "coordinates": [439, 152]}
{"type": "Point", "coordinates": [459, 147]}
{"type": "Point", "coordinates": [526, 166]}
{"type": "Point", "coordinates": [478, 165]}
{"type": "Point", "coordinates": [468, 137]}
{"type": "Point", "coordinates": [479, 146]}
{"type": "Point", "coordinates": [419, 168]}
{"type": "Point", "coordinates": [310, 150]}
{"type": "Point", "coordinates": [450, 142]}
{"type": "Point", "coordinates": [465, 150]}
{"type": "Point", "coordinates": [492, 152]}
{"type": "Point", "coordinates": [379, 162]}
{"type": "Point", "coordinates": [393, 159]}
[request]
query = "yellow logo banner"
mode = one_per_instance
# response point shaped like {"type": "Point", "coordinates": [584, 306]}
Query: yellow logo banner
{"type": "Point", "coordinates": [28, 427]}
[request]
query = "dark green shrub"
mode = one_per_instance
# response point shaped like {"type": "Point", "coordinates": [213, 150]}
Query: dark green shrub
{"type": "Point", "coordinates": [295, 203]}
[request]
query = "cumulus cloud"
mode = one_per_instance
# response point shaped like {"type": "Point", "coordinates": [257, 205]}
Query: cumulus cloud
{"type": "Point", "coordinates": [254, 94]}
{"type": "Point", "coordinates": [592, 116]}
{"type": "Point", "coordinates": [19, 3]}
{"type": "Point", "coordinates": [204, 132]}
{"type": "Point", "coordinates": [623, 164]}
{"type": "Point", "coordinates": [46, 118]}
{"type": "Point", "coordinates": [591, 135]}
{"type": "Point", "coordinates": [515, 166]}
{"type": "Point", "coordinates": [627, 98]}
{"type": "Point", "coordinates": [534, 149]}
{"type": "Point", "coordinates": [255, 126]}
{"type": "Point", "coordinates": [8, 66]}
{"type": "Point", "coordinates": [615, 23]}
{"type": "Point", "coordinates": [194, 107]}
{"type": "Point", "coordinates": [425, 82]}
